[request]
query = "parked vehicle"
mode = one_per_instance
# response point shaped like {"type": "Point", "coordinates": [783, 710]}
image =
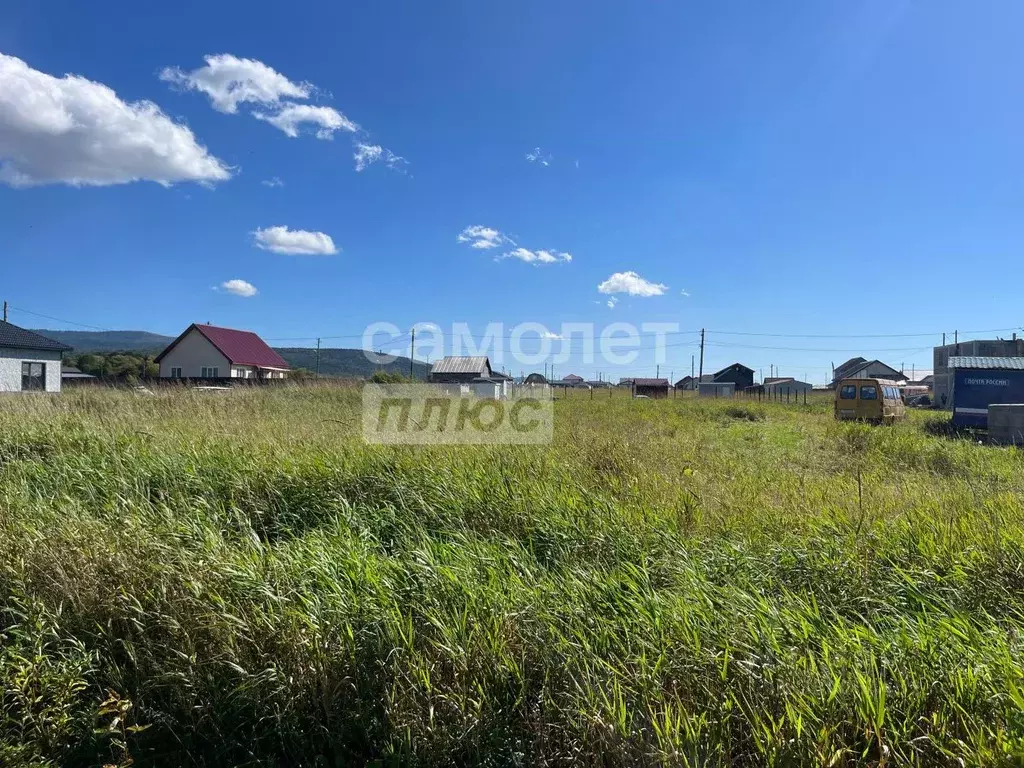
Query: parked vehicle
{"type": "Point", "coordinates": [921, 401]}
{"type": "Point", "coordinates": [876, 401]}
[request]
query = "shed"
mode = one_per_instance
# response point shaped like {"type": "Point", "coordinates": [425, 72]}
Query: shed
{"type": "Point", "coordinates": [535, 379]}
{"type": "Point", "coordinates": [686, 383]}
{"type": "Point", "coordinates": [979, 382]}
{"type": "Point", "coordinates": [787, 386]}
{"type": "Point", "coordinates": [653, 388]}
{"type": "Point", "coordinates": [29, 362]}
{"type": "Point", "coordinates": [716, 389]}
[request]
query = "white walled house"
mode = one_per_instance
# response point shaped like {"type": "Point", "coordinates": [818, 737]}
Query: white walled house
{"type": "Point", "coordinates": [210, 352]}
{"type": "Point", "coordinates": [29, 362]}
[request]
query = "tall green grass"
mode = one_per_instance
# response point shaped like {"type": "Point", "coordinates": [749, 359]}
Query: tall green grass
{"type": "Point", "coordinates": [235, 579]}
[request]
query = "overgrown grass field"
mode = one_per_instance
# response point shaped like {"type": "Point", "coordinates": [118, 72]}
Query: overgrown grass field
{"type": "Point", "coordinates": [236, 579]}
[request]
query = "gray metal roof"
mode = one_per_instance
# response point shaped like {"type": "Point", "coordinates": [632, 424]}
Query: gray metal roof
{"type": "Point", "coordinates": [19, 338]}
{"type": "Point", "coordinates": [452, 364]}
{"type": "Point", "coordinates": [997, 363]}
{"type": "Point", "coordinates": [650, 382]}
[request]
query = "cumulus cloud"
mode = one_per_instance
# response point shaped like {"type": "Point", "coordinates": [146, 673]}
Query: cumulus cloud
{"type": "Point", "coordinates": [230, 81]}
{"type": "Point", "coordinates": [485, 238]}
{"type": "Point", "coordinates": [273, 182]}
{"type": "Point", "coordinates": [537, 156]}
{"type": "Point", "coordinates": [537, 257]}
{"type": "Point", "coordinates": [632, 284]}
{"type": "Point", "coordinates": [324, 120]}
{"type": "Point", "coordinates": [72, 130]}
{"type": "Point", "coordinates": [366, 155]}
{"type": "Point", "coordinates": [612, 302]}
{"type": "Point", "coordinates": [481, 237]}
{"type": "Point", "coordinates": [239, 288]}
{"type": "Point", "coordinates": [297, 242]}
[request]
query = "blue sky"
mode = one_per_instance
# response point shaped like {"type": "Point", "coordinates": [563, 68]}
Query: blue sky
{"type": "Point", "coordinates": [788, 165]}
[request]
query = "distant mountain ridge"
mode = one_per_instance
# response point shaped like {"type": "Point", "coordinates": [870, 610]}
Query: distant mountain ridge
{"type": "Point", "coordinates": [333, 362]}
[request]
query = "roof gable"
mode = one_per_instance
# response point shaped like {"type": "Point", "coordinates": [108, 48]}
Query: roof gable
{"type": "Point", "coordinates": [239, 347]}
{"type": "Point", "coordinates": [12, 336]}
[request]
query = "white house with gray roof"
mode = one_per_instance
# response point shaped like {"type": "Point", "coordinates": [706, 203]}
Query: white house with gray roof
{"type": "Point", "coordinates": [29, 362]}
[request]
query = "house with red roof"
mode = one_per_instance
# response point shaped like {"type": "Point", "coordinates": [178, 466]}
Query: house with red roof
{"type": "Point", "coordinates": [209, 352]}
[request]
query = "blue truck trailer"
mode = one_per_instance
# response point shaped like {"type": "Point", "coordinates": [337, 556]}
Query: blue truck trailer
{"type": "Point", "coordinates": [979, 382]}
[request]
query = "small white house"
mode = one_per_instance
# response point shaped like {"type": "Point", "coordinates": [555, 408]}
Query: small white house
{"type": "Point", "coordinates": [29, 362]}
{"type": "Point", "coordinates": [209, 352]}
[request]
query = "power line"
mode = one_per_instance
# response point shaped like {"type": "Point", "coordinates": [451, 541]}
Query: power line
{"type": "Point", "coordinates": [58, 319]}
{"type": "Point", "coordinates": [854, 335]}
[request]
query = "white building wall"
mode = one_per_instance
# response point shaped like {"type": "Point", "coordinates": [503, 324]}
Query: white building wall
{"type": "Point", "coordinates": [192, 354]}
{"type": "Point", "coordinates": [10, 368]}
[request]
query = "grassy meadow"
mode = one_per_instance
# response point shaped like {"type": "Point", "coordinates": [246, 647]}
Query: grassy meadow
{"type": "Point", "coordinates": [234, 578]}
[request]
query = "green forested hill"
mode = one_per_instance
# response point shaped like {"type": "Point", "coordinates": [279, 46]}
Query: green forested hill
{"type": "Point", "coordinates": [333, 362]}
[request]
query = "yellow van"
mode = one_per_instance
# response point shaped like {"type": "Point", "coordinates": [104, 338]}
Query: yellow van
{"type": "Point", "coordinates": [875, 400]}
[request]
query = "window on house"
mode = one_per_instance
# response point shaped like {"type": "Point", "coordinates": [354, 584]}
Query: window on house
{"type": "Point", "coordinates": [869, 392]}
{"type": "Point", "coordinates": [211, 373]}
{"type": "Point", "coordinates": [33, 377]}
{"type": "Point", "coordinates": [848, 392]}
{"type": "Point", "coordinates": [175, 373]}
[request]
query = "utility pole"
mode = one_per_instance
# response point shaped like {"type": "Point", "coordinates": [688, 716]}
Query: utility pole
{"type": "Point", "coordinates": [412, 353]}
{"type": "Point", "coordinates": [657, 371]}
{"type": "Point", "coordinates": [691, 367]}
{"type": "Point", "coordinates": [701, 354]}
{"type": "Point", "coordinates": [5, 311]}
{"type": "Point", "coordinates": [318, 358]}
{"type": "Point", "coordinates": [956, 337]}
{"type": "Point", "coordinates": [943, 339]}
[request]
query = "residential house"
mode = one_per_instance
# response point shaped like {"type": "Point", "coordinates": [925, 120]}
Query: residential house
{"type": "Point", "coordinates": [686, 383]}
{"type": "Point", "coordinates": [535, 379]}
{"type": "Point", "coordinates": [210, 352]}
{"type": "Point", "coordinates": [653, 388]}
{"type": "Point", "coordinates": [859, 368]}
{"type": "Point", "coordinates": [29, 362]}
{"type": "Point", "coordinates": [737, 374]}
{"type": "Point", "coordinates": [572, 380]}
{"type": "Point", "coordinates": [470, 376]}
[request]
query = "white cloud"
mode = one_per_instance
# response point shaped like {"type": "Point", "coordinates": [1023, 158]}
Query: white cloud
{"type": "Point", "coordinates": [612, 302]}
{"type": "Point", "coordinates": [685, 293]}
{"type": "Point", "coordinates": [273, 182]}
{"type": "Point", "coordinates": [550, 335]}
{"type": "Point", "coordinates": [76, 131]}
{"type": "Point", "coordinates": [486, 237]}
{"type": "Point", "coordinates": [536, 156]}
{"type": "Point", "coordinates": [297, 242]}
{"type": "Point", "coordinates": [326, 119]}
{"type": "Point", "coordinates": [239, 288]}
{"type": "Point", "coordinates": [631, 283]}
{"type": "Point", "coordinates": [230, 81]}
{"type": "Point", "coordinates": [366, 155]}
{"type": "Point", "coordinates": [537, 257]}
{"type": "Point", "coordinates": [481, 237]}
